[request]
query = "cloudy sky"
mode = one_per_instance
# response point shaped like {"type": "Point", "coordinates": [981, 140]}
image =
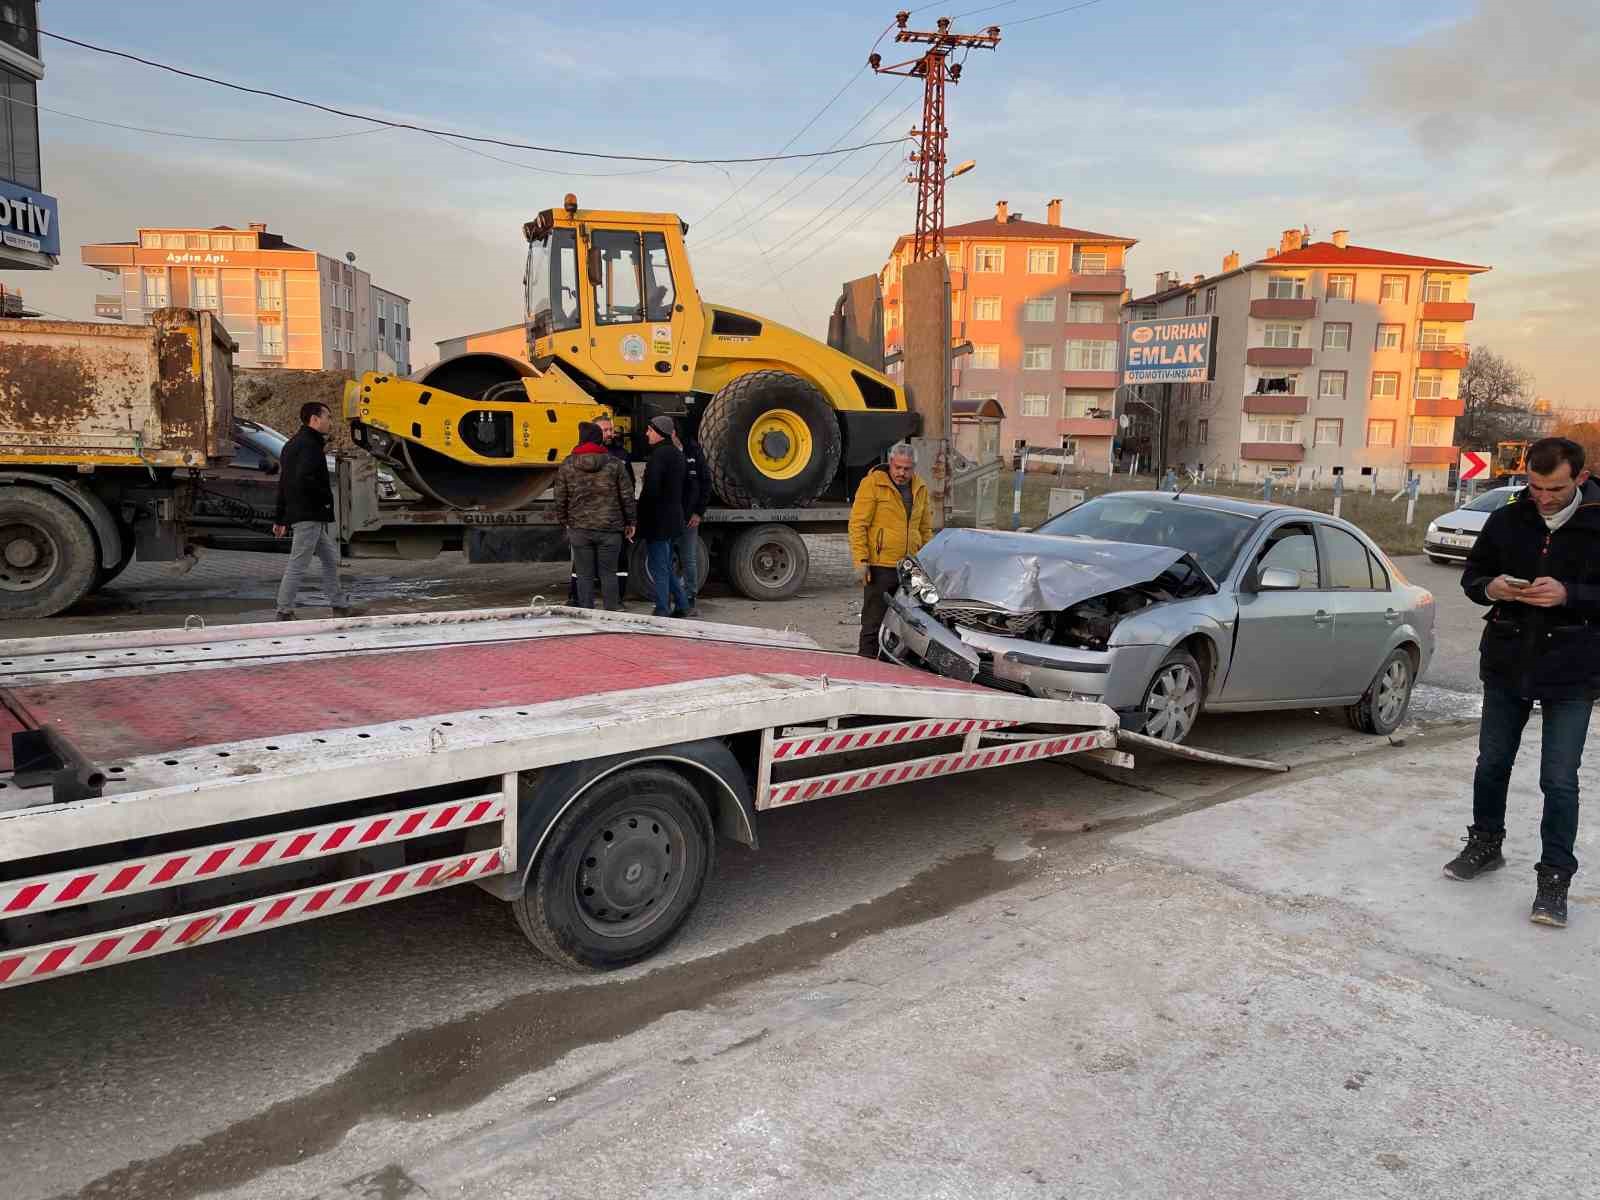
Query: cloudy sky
{"type": "Point", "coordinates": [1457, 128]}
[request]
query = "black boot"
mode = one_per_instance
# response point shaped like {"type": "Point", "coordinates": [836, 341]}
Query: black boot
{"type": "Point", "coordinates": [1482, 853]}
{"type": "Point", "coordinates": [1550, 901]}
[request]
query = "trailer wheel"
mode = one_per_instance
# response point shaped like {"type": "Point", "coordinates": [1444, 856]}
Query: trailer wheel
{"type": "Point", "coordinates": [48, 560]}
{"type": "Point", "coordinates": [620, 871]}
{"type": "Point", "coordinates": [771, 440]}
{"type": "Point", "coordinates": [642, 584]}
{"type": "Point", "coordinates": [768, 562]}
{"type": "Point", "coordinates": [105, 575]}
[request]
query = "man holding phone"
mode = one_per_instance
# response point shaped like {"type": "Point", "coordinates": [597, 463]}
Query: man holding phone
{"type": "Point", "coordinates": [1537, 564]}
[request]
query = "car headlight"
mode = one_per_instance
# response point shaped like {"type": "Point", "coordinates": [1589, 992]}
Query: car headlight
{"type": "Point", "coordinates": [915, 580]}
{"type": "Point", "coordinates": [1433, 527]}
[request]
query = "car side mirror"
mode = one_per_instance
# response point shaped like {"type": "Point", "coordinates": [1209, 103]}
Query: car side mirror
{"type": "Point", "coordinates": [1278, 579]}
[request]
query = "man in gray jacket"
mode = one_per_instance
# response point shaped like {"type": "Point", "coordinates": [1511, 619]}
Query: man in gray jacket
{"type": "Point", "coordinates": [595, 505]}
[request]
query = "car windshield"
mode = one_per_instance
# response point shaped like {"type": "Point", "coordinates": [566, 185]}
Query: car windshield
{"type": "Point", "coordinates": [264, 438]}
{"type": "Point", "coordinates": [1213, 537]}
{"type": "Point", "coordinates": [1490, 501]}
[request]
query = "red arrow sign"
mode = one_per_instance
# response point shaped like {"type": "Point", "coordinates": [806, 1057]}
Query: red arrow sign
{"type": "Point", "coordinates": [1473, 465]}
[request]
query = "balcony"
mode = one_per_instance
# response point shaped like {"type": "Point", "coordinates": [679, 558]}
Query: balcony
{"type": "Point", "coordinates": [1447, 310]}
{"type": "Point", "coordinates": [1439, 407]}
{"type": "Point", "coordinates": [1108, 331]}
{"type": "Point", "coordinates": [1431, 456]}
{"type": "Point", "coordinates": [1283, 310]}
{"type": "Point", "coordinates": [1278, 356]}
{"type": "Point", "coordinates": [1273, 451]}
{"type": "Point", "coordinates": [1448, 358]}
{"type": "Point", "coordinates": [1108, 282]}
{"type": "Point", "coordinates": [1087, 426]}
{"type": "Point", "coordinates": [1276, 402]}
{"type": "Point", "coordinates": [1089, 381]}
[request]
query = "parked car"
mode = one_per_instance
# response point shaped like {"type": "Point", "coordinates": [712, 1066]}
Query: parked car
{"type": "Point", "coordinates": [1163, 605]}
{"type": "Point", "coordinates": [1452, 536]}
{"type": "Point", "coordinates": [258, 447]}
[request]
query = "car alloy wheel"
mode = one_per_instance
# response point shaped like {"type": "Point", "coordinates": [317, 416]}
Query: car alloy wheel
{"type": "Point", "coordinates": [1394, 689]}
{"type": "Point", "coordinates": [1172, 702]}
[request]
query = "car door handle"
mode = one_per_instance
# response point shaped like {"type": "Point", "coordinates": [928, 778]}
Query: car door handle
{"type": "Point", "coordinates": [1391, 616]}
{"type": "Point", "coordinates": [1322, 616]}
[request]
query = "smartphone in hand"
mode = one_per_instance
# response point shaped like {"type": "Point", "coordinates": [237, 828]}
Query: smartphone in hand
{"type": "Point", "coordinates": [1515, 582]}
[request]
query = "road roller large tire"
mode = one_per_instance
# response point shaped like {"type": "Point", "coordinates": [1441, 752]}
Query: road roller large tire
{"type": "Point", "coordinates": [48, 556]}
{"type": "Point", "coordinates": [771, 441]}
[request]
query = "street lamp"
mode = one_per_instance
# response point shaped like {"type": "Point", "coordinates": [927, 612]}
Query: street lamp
{"type": "Point", "coordinates": [962, 168]}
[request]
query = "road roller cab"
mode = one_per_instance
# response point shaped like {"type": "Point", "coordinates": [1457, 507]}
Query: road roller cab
{"type": "Point", "coordinates": [614, 321]}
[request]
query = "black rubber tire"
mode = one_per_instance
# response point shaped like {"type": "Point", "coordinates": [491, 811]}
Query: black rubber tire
{"type": "Point", "coordinates": [552, 913]}
{"type": "Point", "coordinates": [768, 562]}
{"type": "Point", "coordinates": [66, 543]}
{"type": "Point", "coordinates": [725, 431]}
{"type": "Point", "coordinates": [106, 574]}
{"type": "Point", "coordinates": [1367, 714]}
{"type": "Point", "coordinates": [1177, 658]}
{"type": "Point", "coordinates": [1443, 562]}
{"type": "Point", "coordinates": [641, 584]}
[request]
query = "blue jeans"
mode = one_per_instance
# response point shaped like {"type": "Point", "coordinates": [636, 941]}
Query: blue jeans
{"type": "Point", "coordinates": [669, 590]}
{"type": "Point", "coordinates": [1566, 724]}
{"type": "Point", "coordinates": [688, 551]}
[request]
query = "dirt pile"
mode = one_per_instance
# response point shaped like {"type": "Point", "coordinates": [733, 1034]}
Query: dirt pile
{"type": "Point", "coordinates": [273, 396]}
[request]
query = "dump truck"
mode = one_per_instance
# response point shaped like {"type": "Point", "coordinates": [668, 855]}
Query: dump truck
{"type": "Point", "coordinates": [615, 322]}
{"type": "Point", "coordinates": [114, 440]}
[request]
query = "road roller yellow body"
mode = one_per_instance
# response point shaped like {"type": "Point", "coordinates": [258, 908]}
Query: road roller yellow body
{"type": "Point", "coordinates": [615, 323]}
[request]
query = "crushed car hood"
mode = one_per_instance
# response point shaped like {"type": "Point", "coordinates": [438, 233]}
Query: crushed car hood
{"type": "Point", "coordinates": [1036, 572]}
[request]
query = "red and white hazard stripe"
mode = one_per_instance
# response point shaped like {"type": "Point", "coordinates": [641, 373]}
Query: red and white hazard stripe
{"type": "Point", "coordinates": [45, 892]}
{"type": "Point", "coordinates": [836, 742]}
{"type": "Point", "coordinates": [844, 782]}
{"type": "Point", "coordinates": [233, 920]}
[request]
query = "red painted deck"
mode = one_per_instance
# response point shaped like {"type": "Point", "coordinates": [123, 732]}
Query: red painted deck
{"type": "Point", "coordinates": [117, 718]}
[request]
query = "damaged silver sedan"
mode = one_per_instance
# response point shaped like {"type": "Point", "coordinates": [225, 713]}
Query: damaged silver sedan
{"type": "Point", "coordinates": [1162, 606]}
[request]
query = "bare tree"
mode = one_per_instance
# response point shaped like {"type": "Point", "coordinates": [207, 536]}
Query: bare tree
{"type": "Point", "coordinates": [1498, 398]}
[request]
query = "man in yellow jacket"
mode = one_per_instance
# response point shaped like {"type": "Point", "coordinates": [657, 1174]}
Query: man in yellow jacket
{"type": "Point", "coordinates": [888, 521]}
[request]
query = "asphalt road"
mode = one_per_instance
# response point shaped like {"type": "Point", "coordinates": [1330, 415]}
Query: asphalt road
{"type": "Point", "coordinates": [242, 1066]}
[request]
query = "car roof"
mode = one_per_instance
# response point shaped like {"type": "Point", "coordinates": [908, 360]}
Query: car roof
{"type": "Point", "coordinates": [1230, 504]}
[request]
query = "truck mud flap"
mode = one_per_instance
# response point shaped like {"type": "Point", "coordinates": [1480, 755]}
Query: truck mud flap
{"type": "Point", "coordinates": [1140, 741]}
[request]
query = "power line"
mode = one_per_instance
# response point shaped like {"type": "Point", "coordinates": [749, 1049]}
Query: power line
{"type": "Point", "coordinates": [510, 162]}
{"type": "Point", "coordinates": [198, 137]}
{"type": "Point", "coordinates": [466, 137]}
{"type": "Point", "coordinates": [842, 199]}
{"type": "Point", "coordinates": [1055, 12]}
{"type": "Point", "coordinates": [883, 199]}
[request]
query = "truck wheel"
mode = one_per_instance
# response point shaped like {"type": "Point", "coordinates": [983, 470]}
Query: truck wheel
{"type": "Point", "coordinates": [105, 575]}
{"type": "Point", "coordinates": [642, 584]}
{"type": "Point", "coordinates": [768, 562]}
{"type": "Point", "coordinates": [48, 559]}
{"type": "Point", "coordinates": [771, 440]}
{"type": "Point", "coordinates": [620, 871]}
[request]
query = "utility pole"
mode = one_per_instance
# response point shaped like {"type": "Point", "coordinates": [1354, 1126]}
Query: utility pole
{"type": "Point", "coordinates": [932, 67]}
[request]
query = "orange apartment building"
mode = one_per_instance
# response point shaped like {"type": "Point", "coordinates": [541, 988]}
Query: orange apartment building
{"type": "Point", "coordinates": [1331, 356]}
{"type": "Point", "coordinates": [1040, 303]}
{"type": "Point", "coordinates": [284, 305]}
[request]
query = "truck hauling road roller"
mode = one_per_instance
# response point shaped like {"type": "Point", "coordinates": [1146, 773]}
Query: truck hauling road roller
{"type": "Point", "coordinates": [614, 322]}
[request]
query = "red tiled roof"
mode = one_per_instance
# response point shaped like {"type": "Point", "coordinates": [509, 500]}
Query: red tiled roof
{"type": "Point", "coordinates": [1327, 254]}
{"type": "Point", "coordinates": [1033, 231]}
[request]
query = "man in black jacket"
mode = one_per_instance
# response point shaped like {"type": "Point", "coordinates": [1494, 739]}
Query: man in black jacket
{"type": "Point", "coordinates": [305, 507]}
{"type": "Point", "coordinates": [661, 519]}
{"type": "Point", "coordinates": [1537, 564]}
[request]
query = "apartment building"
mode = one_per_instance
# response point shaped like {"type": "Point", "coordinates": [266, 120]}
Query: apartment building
{"type": "Point", "coordinates": [30, 233]}
{"type": "Point", "coordinates": [285, 305]}
{"type": "Point", "coordinates": [1039, 302]}
{"type": "Point", "coordinates": [1331, 356]}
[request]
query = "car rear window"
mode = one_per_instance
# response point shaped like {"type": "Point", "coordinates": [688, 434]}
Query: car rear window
{"type": "Point", "coordinates": [1213, 537]}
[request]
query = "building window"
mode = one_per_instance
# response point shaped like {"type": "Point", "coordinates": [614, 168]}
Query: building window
{"type": "Point", "coordinates": [1433, 337]}
{"type": "Point", "coordinates": [1285, 382]}
{"type": "Point", "coordinates": [988, 260]}
{"type": "Point", "coordinates": [271, 339]}
{"type": "Point", "coordinates": [1429, 385]}
{"type": "Point", "coordinates": [1393, 289]}
{"type": "Point", "coordinates": [196, 241]}
{"type": "Point", "coordinates": [1281, 336]}
{"type": "Point", "coordinates": [1040, 308]}
{"type": "Point", "coordinates": [1331, 385]}
{"type": "Point", "coordinates": [1191, 304]}
{"type": "Point", "coordinates": [203, 286]}
{"type": "Point", "coordinates": [1036, 358]}
{"type": "Point", "coordinates": [1042, 261]}
{"type": "Point", "coordinates": [1380, 433]}
{"type": "Point", "coordinates": [1087, 312]}
{"type": "Point", "coordinates": [1336, 335]}
{"type": "Point", "coordinates": [1431, 431]}
{"type": "Point", "coordinates": [1391, 337]}
{"type": "Point", "coordinates": [952, 258]}
{"type": "Point", "coordinates": [222, 241]}
{"type": "Point", "coordinates": [1211, 299]}
{"type": "Point", "coordinates": [986, 358]}
{"type": "Point", "coordinates": [1202, 431]}
{"type": "Point", "coordinates": [1069, 446]}
{"type": "Point", "coordinates": [1329, 432]}
{"type": "Point", "coordinates": [1385, 385]}
{"type": "Point", "coordinates": [155, 288]}
{"type": "Point", "coordinates": [1286, 287]}
{"type": "Point", "coordinates": [172, 241]}
{"type": "Point", "coordinates": [1183, 432]}
{"type": "Point", "coordinates": [1084, 355]}
{"type": "Point", "coordinates": [1083, 404]}
{"type": "Point", "coordinates": [986, 308]}
{"type": "Point", "coordinates": [19, 118]}
{"type": "Point", "coordinates": [1035, 404]}
{"type": "Point", "coordinates": [1341, 287]}
{"type": "Point", "coordinates": [150, 241]}
{"type": "Point", "coordinates": [981, 397]}
{"type": "Point", "coordinates": [1089, 262]}
{"type": "Point", "coordinates": [1279, 431]}
{"type": "Point", "coordinates": [1437, 291]}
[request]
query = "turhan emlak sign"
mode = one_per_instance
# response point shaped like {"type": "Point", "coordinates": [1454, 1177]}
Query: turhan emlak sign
{"type": "Point", "coordinates": [1171, 350]}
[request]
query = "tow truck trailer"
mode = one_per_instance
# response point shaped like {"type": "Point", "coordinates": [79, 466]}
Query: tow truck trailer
{"type": "Point", "coordinates": [164, 790]}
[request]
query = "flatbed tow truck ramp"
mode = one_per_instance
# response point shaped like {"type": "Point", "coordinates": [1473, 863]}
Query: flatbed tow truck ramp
{"type": "Point", "coordinates": [163, 790]}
